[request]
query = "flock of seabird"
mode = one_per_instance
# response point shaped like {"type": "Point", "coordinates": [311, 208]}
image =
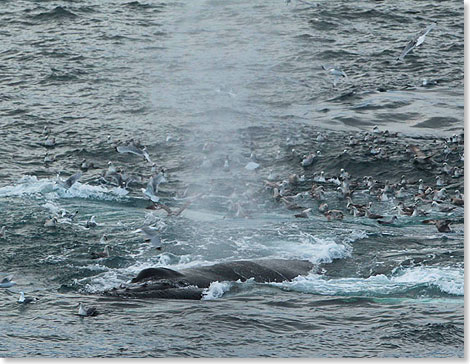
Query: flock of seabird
{"type": "Point", "coordinates": [409, 198]}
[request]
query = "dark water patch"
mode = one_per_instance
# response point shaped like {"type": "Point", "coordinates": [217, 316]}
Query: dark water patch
{"type": "Point", "coordinates": [344, 301]}
{"type": "Point", "coordinates": [438, 122]}
{"type": "Point", "coordinates": [353, 121]}
{"type": "Point", "coordinates": [318, 24]}
{"type": "Point", "coordinates": [58, 13]}
{"type": "Point", "coordinates": [59, 77]}
{"type": "Point", "coordinates": [16, 112]}
{"type": "Point", "coordinates": [143, 6]}
{"type": "Point", "coordinates": [379, 15]}
{"type": "Point", "coordinates": [330, 54]}
{"type": "Point", "coordinates": [447, 333]}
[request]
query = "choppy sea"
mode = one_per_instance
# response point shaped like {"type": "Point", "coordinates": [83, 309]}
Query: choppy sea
{"type": "Point", "coordinates": [199, 83]}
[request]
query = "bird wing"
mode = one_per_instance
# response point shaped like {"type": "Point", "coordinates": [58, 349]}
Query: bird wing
{"type": "Point", "coordinates": [7, 279]}
{"type": "Point", "coordinates": [164, 207]}
{"type": "Point", "coordinates": [182, 208]}
{"type": "Point", "coordinates": [129, 149]}
{"type": "Point", "coordinates": [149, 192]}
{"type": "Point", "coordinates": [151, 233]}
{"type": "Point", "coordinates": [91, 311]}
{"type": "Point", "coordinates": [426, 31]}
{"type": "Point", "coordinates": [156, 241]}
{"type": "Point", "coordinates": [416, 41]}
{"type": "Point", "coordinates": [147, 156]}
{"type": "Point", "coordinates": [415, 149]}
{"type": "Point", "coordinates": [72, 179]}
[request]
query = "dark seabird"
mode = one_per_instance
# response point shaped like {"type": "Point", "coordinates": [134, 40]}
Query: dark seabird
{"type": "Point", "coordinates": [304, 213]}
{"type": "Point", "coordinates": [443, 226]}
{"type": "Point", "coordinates": [169, 211]}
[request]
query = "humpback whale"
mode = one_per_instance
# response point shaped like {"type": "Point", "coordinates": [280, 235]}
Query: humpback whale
{"type": "Point", "coordinates": [190, 283]}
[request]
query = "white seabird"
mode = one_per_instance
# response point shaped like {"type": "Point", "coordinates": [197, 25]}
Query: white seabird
{"type": "Point", "coordinates": [308, 160]}
{"type": "Point", "coordinates": [416, 41]}
{"type": "Point", "coordinates": [133, 149]}
{"type": "Point", "coordinates": [336, 73]}
{"type": "Point", "coordinates": [251, 166]}
{"type": "Point", "coordinates": [153, 236]}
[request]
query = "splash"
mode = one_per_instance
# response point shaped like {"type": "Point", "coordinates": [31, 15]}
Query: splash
{"type": "Point", "coordinates": [216, 290]}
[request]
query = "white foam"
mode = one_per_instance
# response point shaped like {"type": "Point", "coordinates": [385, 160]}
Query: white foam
{"type": "Point", "coordinates": [216, 290]}
{"type": "Point", "coordinates": [53, 208]}
{"type": "Point", "coordinates": [355, 235]}
{"type": "Point", "coordinates": [31, 185]}
{"type": "Point", "coordinates": [315, 249]}
{"type": "Point", "coordinates": [448, 280]}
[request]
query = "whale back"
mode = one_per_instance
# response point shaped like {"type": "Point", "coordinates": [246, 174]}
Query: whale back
{"type": "Point", "coordinates": [268, 270]}
{"type": "Point", "coordinates": [155, 274]}
{"type": "Point", "coordinates": [190, 282]}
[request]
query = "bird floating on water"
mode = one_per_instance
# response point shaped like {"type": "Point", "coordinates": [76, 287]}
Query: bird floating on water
{"type": "Point", "coordinates": [52, 222]}
{"type": "Point", "coordinates": [443, 226]}
{"type": "Point", "coordinates": [392, 221]}
{"type": "Point", "coordinates": [86, 165]}
{"type": "Point", "coordinates": [91, 223]}
{"type": "Point", "coordinates": [25, 300]}
{"type": "Point", "coordinates": [49, 142]}
{"type": "Point", "coordinates": [48, 158]}
{"type": "Point", "coordinates": [102, 254]}
{"type": "Point", "coordinates": [308, 160]}
{"type": "Point", "coordinates": [85, 312]}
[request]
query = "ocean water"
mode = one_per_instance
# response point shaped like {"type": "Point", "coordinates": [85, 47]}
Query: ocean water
{"type": "Point", "coordinates": [200, 82]}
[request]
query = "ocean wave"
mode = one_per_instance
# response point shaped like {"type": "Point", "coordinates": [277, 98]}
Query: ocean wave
{"type": "Point", "coordinates": [58, 13]}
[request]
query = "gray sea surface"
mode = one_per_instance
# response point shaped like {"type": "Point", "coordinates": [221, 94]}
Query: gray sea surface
{"type": "Point", "coordinates": [199, 83]}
